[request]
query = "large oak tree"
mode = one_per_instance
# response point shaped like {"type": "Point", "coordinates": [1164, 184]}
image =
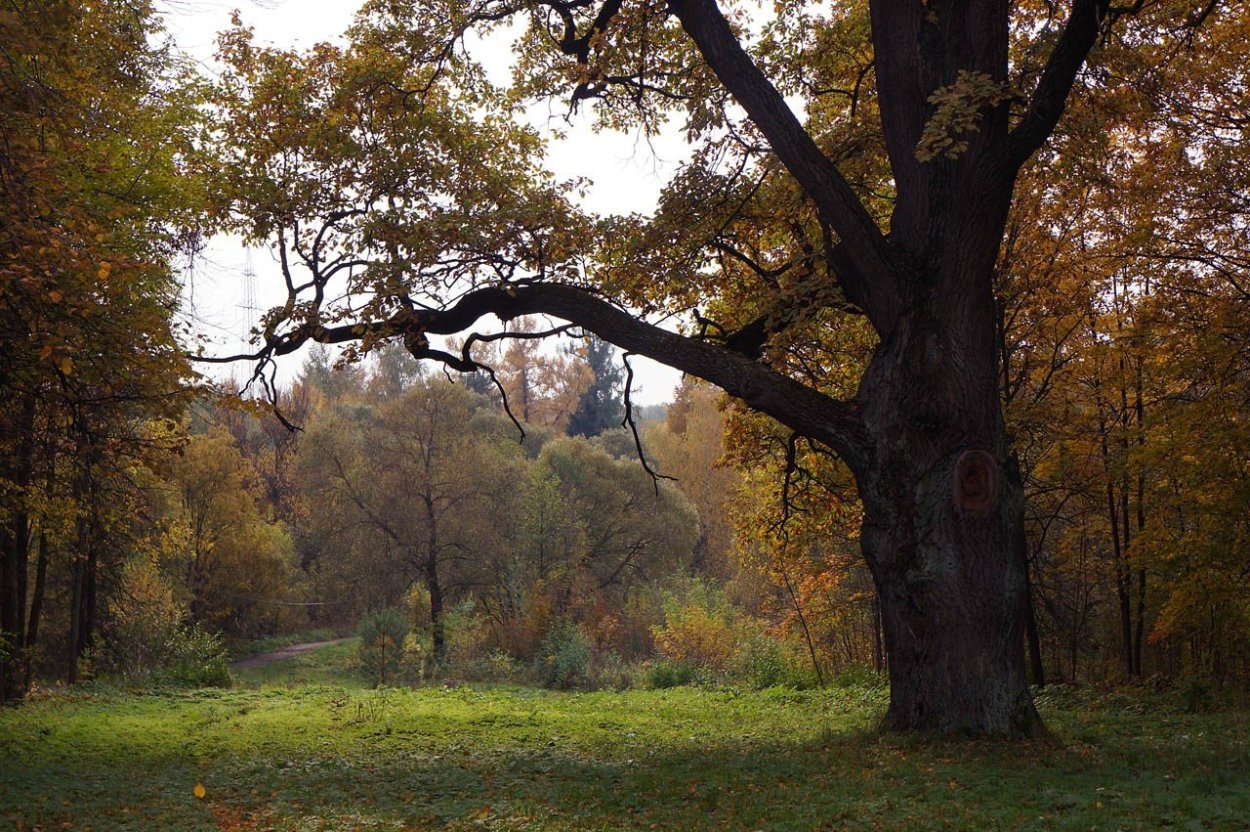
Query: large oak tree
{"type": "Point", "coordinates": [404, 202]}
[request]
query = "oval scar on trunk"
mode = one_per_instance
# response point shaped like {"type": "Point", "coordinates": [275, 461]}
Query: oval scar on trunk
{"type": "Point", "coordinates": [977, 482]}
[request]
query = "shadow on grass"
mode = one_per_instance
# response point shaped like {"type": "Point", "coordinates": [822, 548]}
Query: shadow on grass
{"type": "Point", "coordinates": [1117, 773]}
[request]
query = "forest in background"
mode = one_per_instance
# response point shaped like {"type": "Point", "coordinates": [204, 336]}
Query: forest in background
{"type": "Point", "coordinates": [144, 521]}
{"type": "Point", "coordinates": [556, 558]}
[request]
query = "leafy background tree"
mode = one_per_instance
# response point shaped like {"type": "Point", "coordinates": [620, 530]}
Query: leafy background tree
{"type": "Point", "coordinates": [99, 122]}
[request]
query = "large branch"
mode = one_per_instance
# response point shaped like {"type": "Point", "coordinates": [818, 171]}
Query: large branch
{"type": "Point", "coordinates": [868, 277]}
{"type": "Point", "coordinates": [1080, 33]}
{"type": "Point", "coordinates": [826, 420]}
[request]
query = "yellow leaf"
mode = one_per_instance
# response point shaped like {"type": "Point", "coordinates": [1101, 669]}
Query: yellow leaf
{"type": "Point", "coordinates": [199, 791]}
{"type": "Point", "coordinates": [67, 366]}
{"type": "Point", "coordinates": [105, 268]}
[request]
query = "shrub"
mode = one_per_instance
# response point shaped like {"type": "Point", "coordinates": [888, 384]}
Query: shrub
{"type": "Point", "coordinates": [612, 672]}
{"type": "Point", "coordinates": [417, 606]}
{"type": "Point", "coordinates": [468, 648]}
{"type": "Point", "coordinates": [382, 634]}
{"type": "Point", "coordinates": [414, 663]}
{"type": "Point", "coordinates": [198, 658]}
{"type": "Point", "coordinates": [667, 673]}
{"type": "Point", "coordinates": [1196, 696]}
{"type": "Point", "coordinates": [764, 663]}
{"type": "Point", "coordinates": [501, 666]}
{"type": "Point", "coordinates": [767, 661]}
{"type": "Point", "coordinates": [564, 657]}
{"type": "Point", "coordinates": [701, 628]}
{"type": "Point", "coordinates": [858, 676]}
{"type": "Point", "coordinates": [146, 631]}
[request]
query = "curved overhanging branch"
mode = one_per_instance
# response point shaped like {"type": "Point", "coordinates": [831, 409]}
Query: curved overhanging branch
{"type": "Point", "coordinates": [806, 411]}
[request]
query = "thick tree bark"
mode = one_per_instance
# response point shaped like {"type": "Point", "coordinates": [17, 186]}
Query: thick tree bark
{"type": "Point", "coordinates": [943, 511]}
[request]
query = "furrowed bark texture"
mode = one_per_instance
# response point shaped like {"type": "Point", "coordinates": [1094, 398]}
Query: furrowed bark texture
{"type": "Point", "coordinates": [942, 508]}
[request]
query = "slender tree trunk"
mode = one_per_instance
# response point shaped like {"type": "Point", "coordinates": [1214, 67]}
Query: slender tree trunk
{"type": "Point", "coordinates": [36, 601]}
{"type": "Point", "coordinates": [438, 634]}
{"type": "Point", "coordinates": [1120, 570]}
{"type": "Point", "coordinates": [432, 583]}
{"type": "Point", "coordinates": [807, 633]}
{"type": "Point", "coordinates": [1036, 667]}
{"type": "Point", "coordinates": [82, 570]}
{"type": "Point", "coordinates": [1126, 601]}
{"type": "Point", "coordinates": [1139, 408]}
{"type": "Point", "coordinates": [91, 573]}
{"type": "Point", "coordinates": [1032, 640]}
{"type": "Point", "coordinates": [41, 564]}
{"type": "Point", "coordinates": [878, 637]}
{"type": "Point", "coordinates": [77, 571]}
{"type": "Point", "coordinates": [1122, 586]}
{"type": "Point", "coordinates": [14, 552]}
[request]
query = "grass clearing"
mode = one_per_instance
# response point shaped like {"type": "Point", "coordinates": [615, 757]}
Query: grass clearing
{"type": "Point", "coordinates": [286, 752]}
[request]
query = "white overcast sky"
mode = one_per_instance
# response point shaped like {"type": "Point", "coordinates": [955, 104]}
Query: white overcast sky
{"type": "Point", "coordinates": [626, 171]}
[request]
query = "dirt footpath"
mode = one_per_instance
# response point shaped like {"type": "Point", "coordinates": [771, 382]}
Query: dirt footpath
{"type": "Point", "coordinates": [285, 653]}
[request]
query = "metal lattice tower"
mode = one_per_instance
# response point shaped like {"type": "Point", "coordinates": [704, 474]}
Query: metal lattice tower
{"type": "Point", "coordinates": [249, 298]}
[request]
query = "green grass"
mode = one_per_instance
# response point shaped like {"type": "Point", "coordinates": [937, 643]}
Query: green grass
{"type": "Point", "coordinates": [328, 757]}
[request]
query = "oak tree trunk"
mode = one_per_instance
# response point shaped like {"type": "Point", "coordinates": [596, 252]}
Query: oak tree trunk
{"type": "Point", "coordinates": [943, 515]}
